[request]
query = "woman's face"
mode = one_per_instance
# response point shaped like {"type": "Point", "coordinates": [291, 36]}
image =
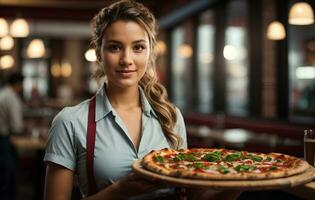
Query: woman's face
{"type": "Point", "coordinates": [125, 53]}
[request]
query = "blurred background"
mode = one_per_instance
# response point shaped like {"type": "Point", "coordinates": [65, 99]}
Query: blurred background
{"type": "Point", "coordinates": [242, 72]}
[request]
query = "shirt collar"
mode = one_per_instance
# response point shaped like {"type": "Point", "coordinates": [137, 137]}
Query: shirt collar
{"type": "Point", "coordinates": [103, 109]}
{"type": "Point", "coordinates": [146, 106]}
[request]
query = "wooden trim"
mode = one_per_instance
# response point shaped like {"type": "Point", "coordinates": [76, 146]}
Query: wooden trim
{"type": "Point", "coordinates": [219, 80]}
{"type": "Point", "coordinates": [282, 64]}
{"type": "Point", "coordinates": [255, 57]}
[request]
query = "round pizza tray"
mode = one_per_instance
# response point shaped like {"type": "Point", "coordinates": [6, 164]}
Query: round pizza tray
{"type": "Point", "coordinates": [265, 184]}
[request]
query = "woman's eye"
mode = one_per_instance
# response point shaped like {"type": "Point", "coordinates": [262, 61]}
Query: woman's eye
{"type": "Point", "coordinates": [114, 48]}
{"type": "Point", "coordinates": [139, 48]}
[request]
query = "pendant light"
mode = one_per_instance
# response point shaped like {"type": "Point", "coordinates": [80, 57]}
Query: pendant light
{"type": "Point", "coordinates": [6, 43]}
{"type": "Point", "coordinates": [19, 28]}
{"type": "Point", "coordinates": [4, 27]}
{"type": "Point", "coordinates": [36, 49]}
{"type": "Point", "coordinates": [276, 31]}
{"type": "Point", "coordinates": [301, 13]}
{"type": "Point", "coordinates": [6, 62]}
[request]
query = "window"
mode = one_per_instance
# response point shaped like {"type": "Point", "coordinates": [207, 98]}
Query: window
{"type": "Point", "coordinates": [36, 73]}
{"type": "Point", "coordinates": [302, 73]}
{"type": "Point", "coordinates": [236, 59]}
{"type": "Point", "coordinates": [205, 64]}
{"type": "Point", "coordinates": [181, 56]}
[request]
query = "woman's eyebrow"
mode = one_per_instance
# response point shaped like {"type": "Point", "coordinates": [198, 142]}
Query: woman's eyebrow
{"type": "Point", "coordinates": [118, 42]}
{"type": "Point", "coordinates": [139, 41]}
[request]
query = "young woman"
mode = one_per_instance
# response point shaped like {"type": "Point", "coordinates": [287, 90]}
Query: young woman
{"type": "Point", "coordinates": [130, 114]}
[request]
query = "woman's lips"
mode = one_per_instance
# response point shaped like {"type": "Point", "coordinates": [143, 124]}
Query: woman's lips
{"type": "Point", "coordinates": [125, 73]}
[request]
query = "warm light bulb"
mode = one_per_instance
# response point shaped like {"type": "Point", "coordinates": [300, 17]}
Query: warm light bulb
{"type": "Point", "coordinates": [90, 55]}
{"type": "Point", "coordinates": [230, 52]}
{"type": "Point", "coordinates": [6, 43]}
{"type": "Point", "coordinates": [19, 28]}
{"type": "Point", "coordinates": [66, 69]}
{"type": "Point", "coordinates": [185, 51]}
{"type": "Point", "coordinates": [36, 49]}
{"type": "Point", "coordinates": [4, 27]}
{"type": "Point", "coordinates": [6, 62]}
{"type": "Point", "coordinates": [276, 31]}
{"type": "Point", "coordinates": [301, 13]}
{"type": "Point", "coordinates": [55, 70]}
{"type": "Point", "coordinates": [160, 48]}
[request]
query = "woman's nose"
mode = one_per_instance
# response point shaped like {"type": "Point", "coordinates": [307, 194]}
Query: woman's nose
{"type": "Point", "coordinates": [126, 58]}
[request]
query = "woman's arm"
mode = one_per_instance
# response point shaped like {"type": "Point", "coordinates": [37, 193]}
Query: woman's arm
{"type": "Point", "coordinates": [131, 185]}
{"type": "Point", "coordinates": [58, 183]}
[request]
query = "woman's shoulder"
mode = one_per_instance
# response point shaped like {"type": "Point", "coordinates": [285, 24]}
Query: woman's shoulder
{"type": "Point", "coordinates": [75, 112]}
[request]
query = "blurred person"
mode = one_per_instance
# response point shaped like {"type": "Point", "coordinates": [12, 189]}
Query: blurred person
{"type": "Point", "coordinates": [11, 122]}
{"type": "Point", "coordinates": [130, 115]}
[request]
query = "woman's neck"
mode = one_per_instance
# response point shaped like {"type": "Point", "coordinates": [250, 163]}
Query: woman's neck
{"type": "Point", "coordinates": [123, 98]}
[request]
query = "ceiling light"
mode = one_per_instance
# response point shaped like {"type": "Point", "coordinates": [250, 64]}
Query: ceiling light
{"type": "Point", "coordinates": [36, 49]}
{"type": "Point", "coordinates": [6, 62]}
{"type": "Point", "coordinates": [301, 13]}
{"type": "Point", "coordinates": [276, 31]}
{"type": "Point", "coordinates": [6, 43]}
{"type": "Point", "coordinates": [19, 28]}
{"type": "Point", "coordinates": [4, 27]}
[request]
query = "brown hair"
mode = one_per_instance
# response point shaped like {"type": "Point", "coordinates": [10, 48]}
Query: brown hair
{"type": "Point", "coordinates": [155, 92]}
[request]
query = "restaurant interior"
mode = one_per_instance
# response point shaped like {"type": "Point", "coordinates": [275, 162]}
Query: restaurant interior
{"type": "Point", "coordinates": [242, 72]}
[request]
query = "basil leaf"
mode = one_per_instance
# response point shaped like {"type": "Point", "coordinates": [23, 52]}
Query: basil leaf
{"type": "Point", "coordinates": [233, 157]}
{"type": "Point", "coordinates": [269, 159]}
{"type": "Point", "coordinates": [211, 157]}
{"type": "Point", "coordinates": [198, 165]}
{"type": "Point", "coordinates": [244, 168]}
{"type": "Point", "coordinates": [223, 170]}
{"type": "Point", "coordinates": [190, 157]}
{"type": "Point", "coordinates": [273, 168]}
{"type": "Point", "coordinates": [159, 159]}
{"type": "Point", "coordinates": [257, 158]}
{"type": "Point", "coordinates": [179, 157]}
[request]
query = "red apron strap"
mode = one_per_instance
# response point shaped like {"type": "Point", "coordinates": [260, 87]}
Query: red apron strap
{"type": "Point", "coordinates": [90, 144]}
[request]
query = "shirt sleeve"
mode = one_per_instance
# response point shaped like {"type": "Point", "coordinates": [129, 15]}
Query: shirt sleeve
{"type": "Point", "coordinates": [181, 129]}
{"type": "Point", "coordinates": [16, 115]}
{"type": "Point", "coordinates": [60, 148]}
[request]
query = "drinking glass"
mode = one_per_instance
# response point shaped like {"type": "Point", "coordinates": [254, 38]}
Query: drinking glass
{"type": "Point", "coordinates": [309, 146]}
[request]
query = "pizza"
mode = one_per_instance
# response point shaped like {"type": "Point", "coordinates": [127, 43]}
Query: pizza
{"type": "Point", "coordinates": [223, 164]}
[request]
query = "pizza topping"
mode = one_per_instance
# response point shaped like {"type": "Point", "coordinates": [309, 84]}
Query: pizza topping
{"type": "Point", "coordinates": [273, 168]}
{"type": "Point", "coordinates": [212, 157]}
{"type": "Point", "coordinates": [256, 158]}
{"type": "Point", "coordinates": [198, 165]}
{"type": "Point", "coordinates": [223, 170]}
{"type": "Point", "coordinates": [190, 157]}
{"type": "Point", "coordinates": [245, 168]}
{"type": "Point", "coordinates": [179, 157]}
{"type": "Point", "coordinates": [268, 159]}
{"type": "Point", "coordinates": [159, 159]}
{"type": "Point", "coordinates": [233, 157]}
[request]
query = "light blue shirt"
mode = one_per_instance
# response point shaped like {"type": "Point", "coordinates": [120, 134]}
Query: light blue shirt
{"type": "Point", "coordinates": [114, 151]}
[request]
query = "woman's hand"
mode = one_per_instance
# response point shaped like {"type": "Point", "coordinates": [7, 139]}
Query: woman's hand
{"type": "Point", "coordinates": [131, 185]}
{"type": "Point", "coordinates": [195, 194]}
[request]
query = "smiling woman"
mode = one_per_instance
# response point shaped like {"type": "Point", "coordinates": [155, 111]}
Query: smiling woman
{"type": "Point", "coordinates": [129, 116]}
